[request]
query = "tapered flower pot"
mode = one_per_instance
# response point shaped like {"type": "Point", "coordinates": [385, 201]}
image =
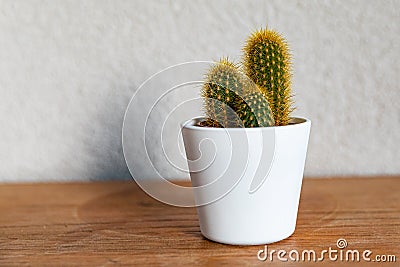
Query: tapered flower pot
{"type": "Point", "coordinates": [247, 181]}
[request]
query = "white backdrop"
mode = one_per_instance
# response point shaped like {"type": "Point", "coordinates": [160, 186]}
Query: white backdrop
{"type": "Point", "coordinates": [69, 68]}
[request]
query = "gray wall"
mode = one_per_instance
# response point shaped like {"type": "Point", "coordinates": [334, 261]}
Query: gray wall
{"type": "Point", "coordinates": [69, 68]}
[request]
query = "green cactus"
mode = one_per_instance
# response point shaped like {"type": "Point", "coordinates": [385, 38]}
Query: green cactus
{"type": "Point", "coordinates": [232, 100]}
{"type": "Point", "coordinates": [267, 62]}
{"type": "Point", "coordinates": [254, 111]}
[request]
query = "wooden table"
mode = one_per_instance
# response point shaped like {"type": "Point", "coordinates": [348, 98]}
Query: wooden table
{"type": "Point", "coordinates": [115, 223]}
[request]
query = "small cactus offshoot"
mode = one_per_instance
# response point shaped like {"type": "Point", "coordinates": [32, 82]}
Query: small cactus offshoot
{"type": "Point", "coordinates": [232, 100]}
{"type": "Point", "coordinates": [267, 62]}
{"type": "Point", "coordinates": [254, 111]}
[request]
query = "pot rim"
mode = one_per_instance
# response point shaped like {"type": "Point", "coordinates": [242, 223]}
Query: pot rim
{"type": "Point", "coordinates": [190, 124]}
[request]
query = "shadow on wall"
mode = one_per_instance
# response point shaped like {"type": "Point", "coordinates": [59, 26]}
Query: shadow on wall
{"type": "Point", "coordinates": [103, 146]}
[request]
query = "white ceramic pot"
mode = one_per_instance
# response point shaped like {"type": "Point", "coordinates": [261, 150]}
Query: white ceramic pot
{"type": "Point", "coordinates": [247, 181]}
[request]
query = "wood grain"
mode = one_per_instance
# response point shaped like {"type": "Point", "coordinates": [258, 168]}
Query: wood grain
{"type": "Point", "coordinates": [115, 223]}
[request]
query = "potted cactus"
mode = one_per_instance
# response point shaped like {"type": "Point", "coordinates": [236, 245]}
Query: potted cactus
{"type": "Point", "coordinates": [246, 155]}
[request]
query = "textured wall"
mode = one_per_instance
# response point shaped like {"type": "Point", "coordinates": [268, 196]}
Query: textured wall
{"type": "Point", "coordinates": [69, 68]}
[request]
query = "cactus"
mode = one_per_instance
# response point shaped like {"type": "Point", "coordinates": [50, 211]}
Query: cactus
{"type": "Point", "coordinates": [222, 86]}
{"type": "Point", "coordinates": [232, 100]}
{"type": "Point", "coordinates": [267, 62]}
{"type": "Point", "coordinates": [254, 110]}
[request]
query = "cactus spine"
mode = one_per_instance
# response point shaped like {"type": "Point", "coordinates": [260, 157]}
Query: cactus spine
{"type": "Point", "coordinates": [232, 100]}
{"type": "Point", "coordinates": [267, 62]}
